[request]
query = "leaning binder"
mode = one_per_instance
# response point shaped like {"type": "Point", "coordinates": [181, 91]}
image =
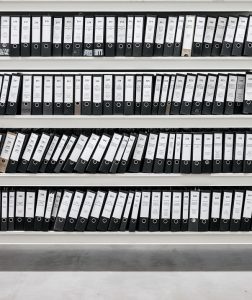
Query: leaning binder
{"type": "Point", "coordinates": [179, 36]}
{"type": "Point", "coordinates": [198, 36]}
{"type": "Point", "coordinates": [219, 36]}
{"type": "Point", "coordinates": [104, 219]}
{"type": "Point", "coordinates": [170, 36]}
{"type": "Point", "coordinates": [71, 218]}
{"type": "Point", "coordinates": [116, 217]}
{"type": "Point", "coordinates": [248, 40]}
{"type": "Point", "coordinates": [188, 36]}
{"type": "Point", "coordinates": [239, 38]}
{"type": "Point", "coordinates": [247, 212]}
{"type": "Point", "coordinates": [228, 40]}
{"type": "Point", "coordinates": [208, 37]}
{"type": "Point", "coordinates": [236, 213]}
{"type": "Point", "coordinates": [148, 46]}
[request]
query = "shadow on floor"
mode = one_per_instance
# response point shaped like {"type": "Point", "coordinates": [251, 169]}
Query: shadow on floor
{"type": "Point", "coordinates": [125, 258]}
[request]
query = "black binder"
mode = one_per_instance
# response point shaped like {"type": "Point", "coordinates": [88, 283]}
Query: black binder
{"type": "Point", "coordinates": [247, 104]}
{"type": "Point", "coordinates": [110, 42]}
{"type": "Point", "coordinates": [188, 94]}
{"type": "Point", "coordinates": [57, 36]}
{"type": "Point", "coordinates": [228, 40]}
{"type": "Point", "coordinates": [205, 201]}
{"type": "Point", "coordinates": [150, 28]}
{"type": "Point", "coordinates": [170, 36]}
{"type": "Point", "coordinates": [78, 36]}
{"type": "Point", "coordinates": [238, 44]}
{"type": "Point", "coordinates": [248, 42]}
{"type": "Point", "coordinates": [25, 36]}
{"type": "Point", "coordinates": [165, 216]}
{"type": "Point", "coordinates": [138, 35]}
{"type": "Point", "coordinates": [36, 36]}
{"type": "Point", "coordinates": [104, 220]}
{"type": "Point", "coordinates": [208, 37]}
{"type": "Point", "coordinates": [46, 49]}
{"type": "Point", "coordinates": [219, 36]}
{"type": "Point", "coordinates": [15, 36]}
{"type": "Point", "coordinates": [176, 207]}
{"type": "Point", "coordinates": [198, 36]}
{"type": "Point", "coordinates": [215, 211]}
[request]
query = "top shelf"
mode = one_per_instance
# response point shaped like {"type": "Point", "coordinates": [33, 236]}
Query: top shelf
{"type": "Point", "coordinates": [125, 5]}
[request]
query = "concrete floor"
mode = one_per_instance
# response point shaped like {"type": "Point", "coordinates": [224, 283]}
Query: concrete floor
{"type": "Point", "coordinates": [125, 272]}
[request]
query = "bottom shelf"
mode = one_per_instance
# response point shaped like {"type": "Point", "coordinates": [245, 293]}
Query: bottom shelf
{"type": "Point", "coordinates": [124, 238]}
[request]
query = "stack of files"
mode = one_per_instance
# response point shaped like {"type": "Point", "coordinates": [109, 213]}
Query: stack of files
{"type": "Point", "coordinates": [126, 94]}
{"type": "Point", "coordinates": [130, 210]}
{"type": "Point", "coordinates": [122, 151]}
{"type": "Point", "coordinates": [126, 35]}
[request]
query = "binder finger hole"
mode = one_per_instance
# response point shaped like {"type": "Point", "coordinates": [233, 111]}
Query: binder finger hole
{"type": "Point", "coordinates": [36, 46]}
{"type": "Point", "coordinates": [110, 45]}
{"type": "Point", "coordinates": [176, 162]}
{"type": "Point", "coordinates": [148, 161]}
{"type": "Point", "coordinates": [88, 46]}
{"type": "Point", "coordinates": [82, 161]}
{"type": "Point", "coordinates": [11, 104]}
{"type": "Point", "coordinates": [162, 104]}
{"type": "Point", "coordinates": [120, 46]}
{"type": "Point", "coordinates": [143, 221]}
{"type": "Point", "coordinates": [123, 162]}
{"type": "Point", "coordinates": [137, 45]}
{"type": "Point", "coordinates": [169, 45]}
{"type": "Point", "coordinates": [248, 102]}
{"type": "Point", "coordinates": [15, 46]}
{"type": "Point", "coordinates": [96, 104]}
{"type": "Point", "coordinates": [86, 104]}
{"type": "Point", "coordinates": [217, 46]}
{"type": "Point", "coordinates": [158, 46]}
{"type": "Point", "coordinates": [128, 104]}
{"type": "Point", "coordinates": [94, 162]}
{"type": "Point", "coordinates": [36, 105]}
{"type": "Point", "coordinates": [186, 162]}
{"type": "Point", "coordinates": [104, 220]}
{"type": "Point", "coordinates": [165, 221]}
{"type": "Point", "coordinates": [169, 163]}
{"type": "Point", "coordinates": [238, 162]}
{"type": "Point", "coordinates": [107, 105]}
{"type": "Point", "coordinates": [46, 46]}
{"type": "Point", "coordinates": [135, 162]}
{"type": "Point", "coordinates": [208, 104]}
{"type": "Point", "coordinates": [154, 221]}
{"type": "Point", "coordinates": [203, 221]}
{"type": "Point", "coordinates": [10, 220]}
{"type": "Point", "coordinates": [129, 46]}
{"type": "Point", "coordinates": [177, 45]}
{"type": "Point", "coordinates": [25, 103]}
{"type": "Point", "coordinates": [215, 220]}
{"type": "Point", "coordinates": [57, 105]}
{"type": "Point", "coordinates": [98, 45]}
{"type": "Point", "coordinates": [56, 46]}
{"type": "Point", "coordinates": [39, 219]}
{"type": "Point", "coordinates": [77, 103]}
{"type": "Point", "coordinates": [115, 221]}
{"type": "Point", "coordinates": [246, 220]}
{"type": "Point", "coordinates": [175, 104]}
{"type": "Point", "coordinates": [71, 221]}
{"type": "Point", "coordinates": [68, 105]}
{"type": "Point", "coordinates": [61, 162]}
{"type": "Point", "coordinates": [12, 162]}
{"type": "Point", "coordinates": [146, 104]}
{"type": "Point", "coordinates": [160, 162]}
{"type": "Point", "coordinates": [106, 162]}
{"type": "Point", "coordinates": [218, 104]}
{"type": "Point", "coordinates": [47, 104]}
{"type": "Point", "coordinates": [118, 104]}
{"type": "Point", "coordinates": [29, 220]}
{"type": "Point", "coordinates": [229, 103]}
{"type": "Point", "coordinates": [185, 221]}
{"type": "Point", "coordinates": [249, 162]}
{"type": "Point", "coordinates": [187, 103]}
{"type": "Point", "coordinates": [175, 221]}
{"type": "Point", "coordinates": [217, 162]}
{"type": "Point", "coordinates": [82, 220]}
{"type": "Point", "coordinates": [197, 45]}
{"type": "Point", "coordinates": [133, 220]}
{"type": "Point", "coordinates": [2, 104]}
{"type": "Point", "coordinates": [124, 220]}
{"type": "Point", "coordinates": [116, 162]}
{"type": "Point", "coordinates": [155, 104]}
{"type": "Point", "coordinates": [197, 104]}
{"type": "Point", "coordinates": [228, 162]}
{"type": "Point", "coordinates": [236, 221]}
{"type": "Point", "coordinates": [4, 220]}
{"type": "Point", "coordinates": [148, 45]}
{"type": "Point", "coordinates": [207, 162]}
{"type": "Point", "coordinates": [53, 162]}
{"type": "Point", "coordinates": [196, 163]}
{"type": "Point", "coordinates": [207, 46]}
{"type": "Point", "coordinates": [19, 220]}
{"type": "Point", "coordinates": [61, 220]}
{"type": "Point", "coordinates": [225, 221]}
{"type": "Point", "coordinates": [227, 45]}
{"type": "Point", "coordinates": [77, 46]}
{"type": "Point", "coordinates": [137, 104]}
{"type": "Point", "coordinates": [238, 45]}
{"type": "Point", "coordinates": [25, 45]}
{"type": "Point", "coordinates": [250, 45]}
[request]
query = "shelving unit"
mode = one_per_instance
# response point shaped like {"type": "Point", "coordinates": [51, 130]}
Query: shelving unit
{"type": "Point", "coordinates": [128, 179]}
{"type": "Point", "coordinates": [168, 121]}
{"type": "Point", "coordinates": [125, 63]}
{"type": "Point", "coordinates": [125, 238]}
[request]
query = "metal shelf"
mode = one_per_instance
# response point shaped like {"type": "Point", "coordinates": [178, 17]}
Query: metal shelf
{"type": "Point", "coordinates": [168, 121]}
{"type": "Point", "coordinates": [120, 238]}
{"type": "Point", "coordinates": [125, 5]}
{"type": "Point", "coordinates": [125, 63]}
{"type": "Point", "coordinates": [127, 179]}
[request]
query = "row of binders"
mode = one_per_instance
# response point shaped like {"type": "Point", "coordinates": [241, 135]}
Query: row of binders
{"type": "Point", "coordinates": [126, 210]}
{"type": "Point", "coordinates": [129, 94]}
{"type": "Point", "coordinates": [126, 151]}
{"type": "Point", "coordinates": [138, 35]}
